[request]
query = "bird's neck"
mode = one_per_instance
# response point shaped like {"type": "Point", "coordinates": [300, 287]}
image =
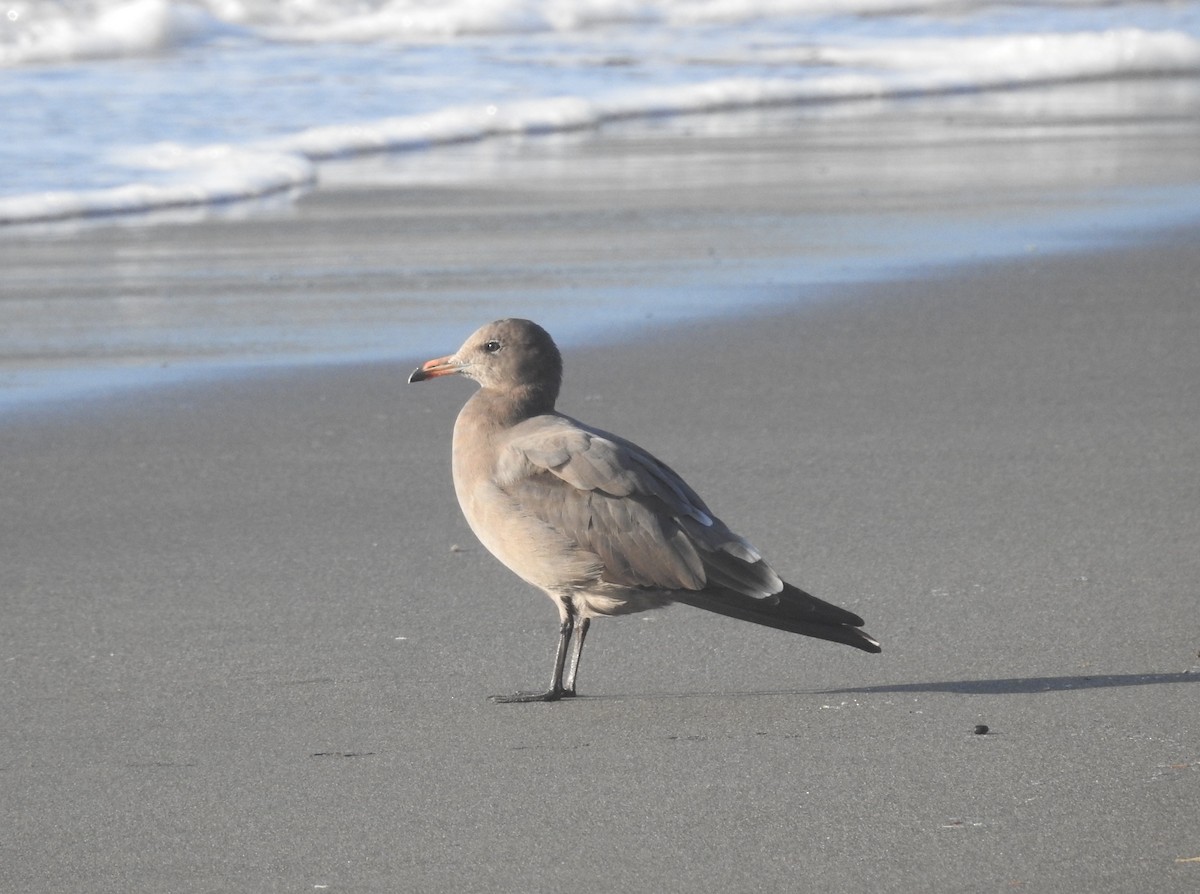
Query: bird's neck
{"type": "Point", "coordinates": [482, 423]}
{"type": "Point", "coordinates": [490, 411]}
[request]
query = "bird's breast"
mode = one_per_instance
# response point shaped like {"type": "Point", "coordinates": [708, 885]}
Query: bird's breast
{"type": "Point", "coordinates": [530, 547]}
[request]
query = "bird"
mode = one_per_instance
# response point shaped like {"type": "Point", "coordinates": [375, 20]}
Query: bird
{"type": "Point", "coordinates": [597, 523]}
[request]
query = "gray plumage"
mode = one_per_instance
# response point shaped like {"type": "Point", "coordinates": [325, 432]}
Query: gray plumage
{"type": "Point", "coordinates": [596, 522]}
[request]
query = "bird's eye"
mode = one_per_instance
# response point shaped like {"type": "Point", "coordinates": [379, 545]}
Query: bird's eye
{"type": "Point", "coordinates": [492, 346]}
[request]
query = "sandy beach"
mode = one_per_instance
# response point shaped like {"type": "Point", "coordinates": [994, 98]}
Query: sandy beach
{"type": "Point", "coordinates": [247, 638]}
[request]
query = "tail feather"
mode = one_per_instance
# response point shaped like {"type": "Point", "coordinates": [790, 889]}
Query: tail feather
{"type": "Point", "coordinates": [796, 603]}
{"type": "Point", "coordinates": [795, 611]}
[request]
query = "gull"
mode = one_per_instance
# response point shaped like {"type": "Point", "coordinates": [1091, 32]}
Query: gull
{"type": "Point", "coordinates": [595, 522]}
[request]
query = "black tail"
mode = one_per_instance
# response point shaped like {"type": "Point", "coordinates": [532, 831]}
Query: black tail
{"type": "Point", "coordinates": [794, 611]}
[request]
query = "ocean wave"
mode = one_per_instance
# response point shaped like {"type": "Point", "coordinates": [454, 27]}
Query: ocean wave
{"type": "Point", "coordinates": [37, 32]}
{"type": "Point", "coordinates": [211, 175]}
{"type": "Point", "coordinates": [882, 69]}
{"type": "Point", "coordinates": [174, 176]}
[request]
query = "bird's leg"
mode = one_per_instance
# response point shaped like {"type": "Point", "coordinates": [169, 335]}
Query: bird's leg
{"type": "Point", "coordinates": [556, 691]}
{"type": "Point", "coordinates": [581, 630]}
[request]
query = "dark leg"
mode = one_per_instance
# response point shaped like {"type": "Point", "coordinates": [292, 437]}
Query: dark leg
{"type": "Point", "coordinates": [556, 691]}
{"type": "Point", "coordinates": [581, 630]}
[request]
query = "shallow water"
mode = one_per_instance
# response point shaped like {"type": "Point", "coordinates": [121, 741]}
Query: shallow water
{"type": "Point", "coordinates": [127, 106]}
{"type": "Point", "coordinates": [223, 184]}
{"type": "Point", "coordinates": [598, 232]}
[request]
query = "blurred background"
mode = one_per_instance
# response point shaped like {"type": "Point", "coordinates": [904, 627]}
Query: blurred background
{"type": "Point", "coordinates": [248, 181]}
{"type": "Point", "coordinates": [131, 105]}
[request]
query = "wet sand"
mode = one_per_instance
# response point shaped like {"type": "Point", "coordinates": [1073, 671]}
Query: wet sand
{"type": "Point", "coordinates": [605, 230]}
{"type": "Point", "coordinates": [247, 639]}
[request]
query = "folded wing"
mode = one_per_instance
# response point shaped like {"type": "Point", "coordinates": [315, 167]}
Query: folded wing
{"type": "Point", "coordinates": [616, 500]}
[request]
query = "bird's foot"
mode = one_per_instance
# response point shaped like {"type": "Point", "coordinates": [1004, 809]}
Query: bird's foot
{"type": "Point", "coordinates": [551, 695]}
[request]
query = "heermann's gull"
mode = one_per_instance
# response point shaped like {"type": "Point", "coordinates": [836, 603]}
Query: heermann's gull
{"type": "Point", "coordinates": [596, 522]}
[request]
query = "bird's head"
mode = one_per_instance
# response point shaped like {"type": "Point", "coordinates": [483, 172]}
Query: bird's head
{"type": "Point", "coordinates": [509, 355]}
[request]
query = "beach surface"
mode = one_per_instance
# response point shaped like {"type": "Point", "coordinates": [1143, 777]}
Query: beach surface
{"type": "Point", "coordinates": [247, 638]}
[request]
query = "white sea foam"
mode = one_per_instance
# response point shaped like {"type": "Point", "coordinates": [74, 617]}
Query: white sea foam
{"type": "Point", "coordinates": [37, 31]}
{"type": "Point", "coordinates": [621, 59]}
{"type": "Point", "coordinates": [33, 32]}
{"type": "Point", "coordinates": [209, 176]}
{"type": "Point", "coordinates": [867, 69]}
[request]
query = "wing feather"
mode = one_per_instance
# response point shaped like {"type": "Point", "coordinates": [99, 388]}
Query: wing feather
{"type": "Point", "coordinates": [647, 526]}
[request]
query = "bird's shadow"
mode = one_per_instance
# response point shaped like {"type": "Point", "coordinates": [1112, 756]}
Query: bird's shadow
{"type": "Point", "coordinates": [1024, 685]}
{"type": "Point", "coordinates": [998, 686]}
